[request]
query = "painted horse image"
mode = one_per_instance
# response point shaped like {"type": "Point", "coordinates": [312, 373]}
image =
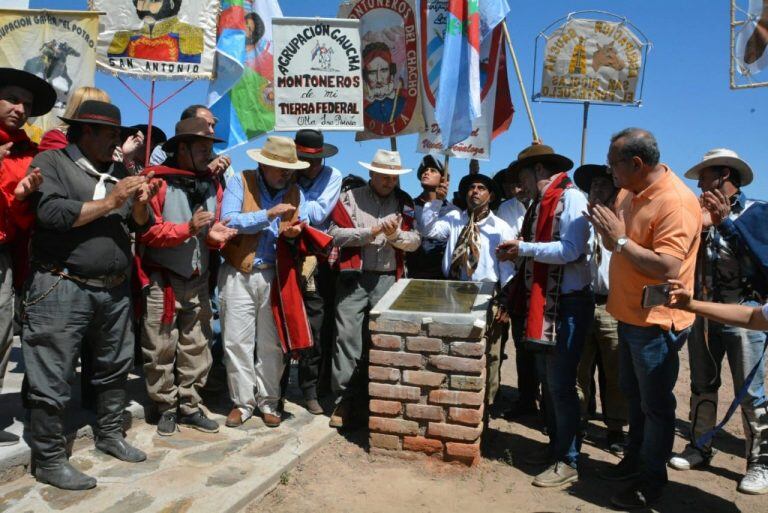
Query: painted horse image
{"type": "Point", "coordinates": [607, 55]}
{"type": "Point", "coordinates": [51, 65]}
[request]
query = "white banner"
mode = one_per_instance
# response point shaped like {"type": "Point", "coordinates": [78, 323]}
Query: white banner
{"type": "Point", "coordinates": [59, 46]}
{"type": "Point", "coordinates": [317, 80]}
{"type": "Point", "coordinates": [433, 16]}
{"type": "Point", "coordinates": [592, 60]}
{"type": "Point", "coordinates": [164, 39]}
{"type": "Point", "coordinates": [752, 39]}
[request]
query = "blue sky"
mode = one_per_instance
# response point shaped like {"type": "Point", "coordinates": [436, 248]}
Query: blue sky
{"type": "Point", "coordinates": [687, 102]}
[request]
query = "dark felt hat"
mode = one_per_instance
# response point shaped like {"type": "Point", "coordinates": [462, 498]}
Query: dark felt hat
{"type": "Point", "coordinates": [584, 174]}
{"type": "Point", "coordinates": [427, 162]}
{"type": "Point", "coordinates": [310, 144]}
{"type": "Point", "coordinates": [43, 95]}
{"type": "Point", "coordinates": [94, 112]}
{"type": "Point", "coordinates": [189, 128]}
{"type": "Point", "coordinates": [486, 180]}
{"type": "Point", "coordinates": [158, 136]}
{"type": "Point", "coordinates": [540, 153]}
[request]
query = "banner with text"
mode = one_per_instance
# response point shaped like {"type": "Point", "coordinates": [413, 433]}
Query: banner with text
{"type": "Point", "coordinates": [392, 103]}
{"type": "Point", "coordinates": [433, 18]}
{"type": "Point", "coordinates": [58, 46]}
{"type": "Point", "coordinates": [592, 61]}
{"type": "Point", "coordinates": [317, 78]}
{"type": "Point", "coordinates": [175, 40]}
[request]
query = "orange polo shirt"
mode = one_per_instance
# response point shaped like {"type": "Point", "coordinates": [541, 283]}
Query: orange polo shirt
{"type": "Point", "coordinates": [665, 218]}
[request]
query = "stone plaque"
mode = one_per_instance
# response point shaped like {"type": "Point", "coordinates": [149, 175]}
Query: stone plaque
{"type": "Point", "coordinates": [437, 296]}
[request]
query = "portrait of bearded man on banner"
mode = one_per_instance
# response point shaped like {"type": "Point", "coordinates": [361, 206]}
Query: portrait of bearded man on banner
{"type": "Point", "coordinates": [384, 96]}
{"type": "Point", "coordinates": [162, 36]}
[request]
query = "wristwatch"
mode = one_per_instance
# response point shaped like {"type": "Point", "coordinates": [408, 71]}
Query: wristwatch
{"type": "Point", "coordinates": [620, 243]}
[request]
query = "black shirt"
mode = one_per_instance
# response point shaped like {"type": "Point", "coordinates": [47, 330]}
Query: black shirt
{"type": "Point", "coordinates": [99, 248]}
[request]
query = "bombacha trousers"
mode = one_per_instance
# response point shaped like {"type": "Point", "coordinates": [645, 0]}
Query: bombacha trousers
{"type": "Point", "coordinates": [248, 329]}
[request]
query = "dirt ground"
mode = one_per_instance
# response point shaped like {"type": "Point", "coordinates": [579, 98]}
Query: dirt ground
{"type": "Point", "coordinates": [344, 477]}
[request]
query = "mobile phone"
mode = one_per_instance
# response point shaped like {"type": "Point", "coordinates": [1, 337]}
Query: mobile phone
{"type": "Point", "coordinates": [655, 295]}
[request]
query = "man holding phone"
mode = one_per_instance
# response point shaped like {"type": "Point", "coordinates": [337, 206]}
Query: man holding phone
{"type": "Point", "coordinates": [654, 236]}
{"type": "Point", "coordinates": [723, 276]}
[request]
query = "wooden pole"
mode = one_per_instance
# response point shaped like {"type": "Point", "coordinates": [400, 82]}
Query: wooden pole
{"type": "Point", "coordinates": [584, 133]}
{"type": "Point", "coordinates": [148, 135]}
{"type": "Point", "coordinates": [445, 166]}
{"type": "Point", "coordinates": [520, 81]}
{"type": "Point", "coordinates": [393, 143]}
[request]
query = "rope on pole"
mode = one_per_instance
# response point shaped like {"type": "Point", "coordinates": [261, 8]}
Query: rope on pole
{"type": "Point", "coordinates": [520, 81]}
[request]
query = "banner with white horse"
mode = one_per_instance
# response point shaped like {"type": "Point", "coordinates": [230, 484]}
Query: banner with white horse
{"type": "Point", "coordinates": [58, 46]}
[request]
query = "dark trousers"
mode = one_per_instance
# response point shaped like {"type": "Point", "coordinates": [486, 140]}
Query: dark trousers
{"type": "Point", "coordinates": [525, 361]}
{"type": "Point", "coordinates": [53, 331]}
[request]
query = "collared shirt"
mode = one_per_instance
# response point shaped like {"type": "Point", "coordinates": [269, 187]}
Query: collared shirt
{"type": "Point", "coordinates": [574, 249]}
{"type": "Point", "coordinates": [256, 222]}
{"type": "Point", "coordinates": [320, 196]}
{"type": "Point", "coordinates": [99, 248]}
{"type": "Point", "coordinates": [665, 218]}
{"type": "Point", "coordinates": [512, 212]}
{"type": "Point", "coordinates": [427, 214]}
{"type": "Point", "coordinates": [493, 231]}
{"type": "Point", "coordinates": [367, 209]}
{"type": "Point", "coordinates": [722, 277]}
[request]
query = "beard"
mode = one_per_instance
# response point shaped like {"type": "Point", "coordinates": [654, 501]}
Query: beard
{"type": "Point", "coordinates": [380, 93]}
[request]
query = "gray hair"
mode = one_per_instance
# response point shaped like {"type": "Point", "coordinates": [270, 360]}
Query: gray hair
{"type": "Point", "coordinates": [638, 142]}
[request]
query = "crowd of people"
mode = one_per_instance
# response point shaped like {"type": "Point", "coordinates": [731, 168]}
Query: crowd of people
{"type": "Point", "coordinates": [291, 256]}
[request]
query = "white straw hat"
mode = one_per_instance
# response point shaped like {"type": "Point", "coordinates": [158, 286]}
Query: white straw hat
{"type": "Point", "coordinates": [722, 157]}
{"type": "Point", "coordinates": [279, 152]}
{"type": "Point", "coordinates": [386, 162]}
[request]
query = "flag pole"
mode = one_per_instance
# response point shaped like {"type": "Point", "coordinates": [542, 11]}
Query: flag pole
{"type": "Point", "coordinates": [520, 81]}
{"type": "Point", "coordinates": [584, 133]}
{"type": "Point", "coordinates": [148, 135]}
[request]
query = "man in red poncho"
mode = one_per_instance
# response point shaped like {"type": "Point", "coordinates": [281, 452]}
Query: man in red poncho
{"type": "Point", "coordinates": [22, 95]}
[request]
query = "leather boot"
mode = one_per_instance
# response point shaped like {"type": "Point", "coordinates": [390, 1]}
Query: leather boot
{"type": "Point", "coordinates": [49, 452]}
{"type": "Point", "coordinates": [110, 404]}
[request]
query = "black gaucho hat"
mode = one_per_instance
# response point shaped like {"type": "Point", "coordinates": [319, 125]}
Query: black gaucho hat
{"type": "Point", "coordinates": [310, 144]}
{"type": "Point", "coordinates": [94, 112]}
{"type": "Point", "coordinates": [584, 174]}
{"type": "Point", "coordinates": [43, 95]}
{"type": "Point", "coordinates": [486, 180]}
{"type": "Point", "coordinates": [427, 162]}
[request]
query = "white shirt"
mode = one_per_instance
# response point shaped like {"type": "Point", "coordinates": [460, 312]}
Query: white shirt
{"type": "Point", "coordinates": [493, 231]}
{"type": "Point", "coordinates": [765, 311]}
{"type": "Point", "coordinates": [600, 281]}
{"type": "Point", "coordinates": [573, 250]}
{"type": "Point", "coordinates": [428, 214]}
{"type": "Point", "coordinates": [512, 212]}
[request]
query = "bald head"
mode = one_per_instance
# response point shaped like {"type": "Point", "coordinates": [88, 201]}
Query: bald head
{"type": "Point", "coordinates": [637, 142]}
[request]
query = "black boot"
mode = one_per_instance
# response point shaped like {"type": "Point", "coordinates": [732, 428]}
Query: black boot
{"type": "Point", "coordinates": [49, 452]}
{"type": "Point", "coordinates": [110, 404]}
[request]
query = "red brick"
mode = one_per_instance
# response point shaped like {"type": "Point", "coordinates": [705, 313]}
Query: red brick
{"type": "Point", "coordinates": [386, 407]}
{"type": "Point", "coordinates": [424, 412]}
{"type": "Point", "coordinates": [396, 392]}
{"type": "Point", "coordinates": [466, 453]}
{"type": "Point", "coordinates": [391, 442]}
{"type": "Point", "coordinates": [421, 444]}
{"type": "Point", "coordinates": [382, 341]}
{"type": "Point", "coordinates": [468, 349]}
{"type": "Point", "coordinates": [455, 398]}
{"type": "Point", "coordinates": [423, 378]}
{"type": "Point", "coordinates": [475, 383]}
{"type": "Point", "coordinates": [457, 364]}
{"type": "Point", "coordinates": [465, 416]}
{"type": "Point", "coordinates": [383, 373]}
{"type": "Point", "coordinates": [424, 344]}
{"type": "Point", "coordinates": [453, 432]}
{"type": "Point", "coordinates": [394, 426]}
{"type": "Point", "coordinates": [392, 359]}
{"type": "Point", "coordinates": [392, 326]}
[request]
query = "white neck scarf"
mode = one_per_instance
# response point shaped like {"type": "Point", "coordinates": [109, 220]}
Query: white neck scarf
{"type": "Point", "coordinates": [100, 191]}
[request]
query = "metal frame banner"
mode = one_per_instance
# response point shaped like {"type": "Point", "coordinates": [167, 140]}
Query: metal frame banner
{"type": "Point", "coordinates": [317, 77]}
{"type": "Point", "coordinates": [751, 39]}
{"type": "Point", "coordinates": [389, 40]}
{"type": "Point", "coordinates": [594, 61]}
{"type": "Point", "coordinates": [58, 46]}
{"type": "Point", "coordinates": [157, 39]}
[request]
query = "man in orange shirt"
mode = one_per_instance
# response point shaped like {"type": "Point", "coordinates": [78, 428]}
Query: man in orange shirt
{"type": "Point", "coordinates": [654, 236]}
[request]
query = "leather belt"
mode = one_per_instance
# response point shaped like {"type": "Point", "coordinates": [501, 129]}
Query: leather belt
{"type": "Point", "coordinates": [101, 282]}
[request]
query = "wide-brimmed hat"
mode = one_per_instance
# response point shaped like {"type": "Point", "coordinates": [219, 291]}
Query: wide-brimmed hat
{"type": "Point", "coordinates": [158, 136]}
{"type": "Point", "coordinates": [386, 162]}
{"type": "Point", "coordinates": [279, 152]}
{"type": "Point", "coordinates": [310, 144]}
{"type": "Point", "coordinates": [486, 180]}
{"type": "Point", "coordinates": [540, 153]}
{"type": "Point", "coordinates": [584, 174]}
{"type": "Point", "coordinates": [43, 95]}
{"type": "Point", "coordinates": [427, 162]}
{"type": "Point", "coordinates": [95, 112]}
{"type": "Point", "coordinates": [722, 157]}
{"type": "Point", "coordinates": [189, 128]}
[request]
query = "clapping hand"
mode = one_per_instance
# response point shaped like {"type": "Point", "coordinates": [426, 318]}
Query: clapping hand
{"type": "Point", "coordinates": [220, 232]}
{"type": "Point", "coordinates": [717, 205]}
{"type": "Point", "coordinates": [28, 184]}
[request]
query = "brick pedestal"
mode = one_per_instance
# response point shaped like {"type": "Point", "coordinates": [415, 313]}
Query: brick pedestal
{"type": "Point", "coordinates": [427, 380]}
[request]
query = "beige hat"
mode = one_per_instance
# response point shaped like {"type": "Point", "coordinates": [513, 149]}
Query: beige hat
{"type": "Point", "coordinates": [722, 157]}
{"type": "Point", "coordinates": [280, 152]}
{"type": "Point", "coordinates": [386, 162]}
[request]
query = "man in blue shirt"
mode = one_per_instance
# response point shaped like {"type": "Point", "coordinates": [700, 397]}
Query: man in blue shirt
{"type": "Point", "coordinates": [321, 186]}
{"type": "Point", "coordinates": [261, 205]}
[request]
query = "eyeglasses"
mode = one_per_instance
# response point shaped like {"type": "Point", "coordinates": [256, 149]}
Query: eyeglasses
{"type": "Point", "coordinates": [611, 165]}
